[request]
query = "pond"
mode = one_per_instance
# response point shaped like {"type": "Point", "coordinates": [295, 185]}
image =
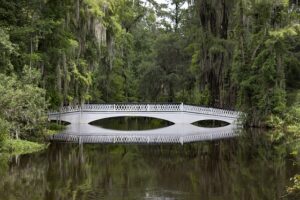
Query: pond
{"type": "Point", "coordinates": [245, 167]}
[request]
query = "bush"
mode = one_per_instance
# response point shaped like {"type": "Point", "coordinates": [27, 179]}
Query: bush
{"type": "Point", "coordinates": [295, 188]}
{"type": "Point", "coordinates": [23, 104]}
{"type": "Point", "coordinates": [273, 121]}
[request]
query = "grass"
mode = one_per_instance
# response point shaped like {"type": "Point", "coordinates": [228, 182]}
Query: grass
{"type": "Point", "coordinates": [51, 132]}
{"type": "Point", "coordinates": [18, 147]}
{"type": "Point", "coordinates": [54, 128]}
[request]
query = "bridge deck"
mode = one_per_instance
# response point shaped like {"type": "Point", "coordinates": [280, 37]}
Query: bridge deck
{"type": "Point", "coordinates": [147, 108]}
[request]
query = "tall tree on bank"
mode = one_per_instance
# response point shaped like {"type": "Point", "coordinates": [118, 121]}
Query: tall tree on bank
{"type": "Point", "coordinates": [265, 51]}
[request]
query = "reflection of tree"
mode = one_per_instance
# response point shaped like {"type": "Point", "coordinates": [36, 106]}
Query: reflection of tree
{"type": "Point", "coordinates": [258, 168]}
{"type": "Point", "coordinates": [21, 180]}
{"type": "Point", "coordinates": [250, 167]}
{"type": "Point", "coordinates": [101, 171]}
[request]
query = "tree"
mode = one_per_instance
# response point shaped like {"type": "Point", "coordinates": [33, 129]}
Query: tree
{"type": "Point", "coordinates": [23, 105]}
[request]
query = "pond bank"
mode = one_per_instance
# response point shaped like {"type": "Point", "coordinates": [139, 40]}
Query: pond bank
{"type": "Point", "coordinates": [18, 147]}
{"type": "Point", "coordinates": [13, 147]}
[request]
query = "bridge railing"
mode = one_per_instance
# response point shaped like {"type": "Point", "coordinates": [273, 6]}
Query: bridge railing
{"type": "Point", "coordinates": [210, 111]}
{"type": "Point", "coordinates": [132, 107]}
{"type": "Point", "coordinates": [148, 108]}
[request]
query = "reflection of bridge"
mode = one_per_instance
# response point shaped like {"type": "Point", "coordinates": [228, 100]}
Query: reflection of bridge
{"type": "Point", "coordinates": [181, 115]}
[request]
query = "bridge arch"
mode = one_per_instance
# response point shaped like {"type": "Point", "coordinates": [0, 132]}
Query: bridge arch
{"type": "Point", "coordinates": [90, 117]}
{"type": "Point", "coordinates": [181, 115]}
{"type": "Point", "coordinates": [211, 123]}
{"type": "Point", "coordinates": [138, 115]}
{"type": "Point", "coordinates": [175, 113]}
{"type": "Point", "coordinates": [174, 117]}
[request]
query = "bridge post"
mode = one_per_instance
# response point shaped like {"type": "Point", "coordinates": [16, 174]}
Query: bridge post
{"type": "Point", "coordinates": [148, 107]}
{"type": "Point", "coordinates": [59, 117]}
{"type": "Point", "coordinates": [80, 115]}
{"type": "Point", "coordinates": [181, 106]}
{"type": "Point", "coordinates": [114, 107]}
{"type": "Point", "coordinates": [181, 140]}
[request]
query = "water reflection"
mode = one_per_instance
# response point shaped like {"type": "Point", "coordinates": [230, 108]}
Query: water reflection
{"type": "Point", "coordinates": [247, 167]}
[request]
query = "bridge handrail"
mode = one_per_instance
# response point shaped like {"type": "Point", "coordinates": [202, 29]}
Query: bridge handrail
{"type": "Point", "coordinates": [148, 108]}
{"type": "Point", "coordinates": [210, 111]}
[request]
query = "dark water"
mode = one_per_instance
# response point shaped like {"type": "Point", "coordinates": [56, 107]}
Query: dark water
{"type": "Point", "coordinates": [252, 167]}
{"type": "Point", "coordinates": [147, 123]}
{"type": "Point", "coordinates": [131, 123]}
{"type": "Point", "coordinates": [210, 123]}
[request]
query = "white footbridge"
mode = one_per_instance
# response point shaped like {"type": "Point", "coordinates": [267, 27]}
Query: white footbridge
{"type": "Point", "coordinates": [183, 131]}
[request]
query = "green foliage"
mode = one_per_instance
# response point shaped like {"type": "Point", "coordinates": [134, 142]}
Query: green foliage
{"type": "Point", "coordinates": [4, 130]}
{"type": "Point", "coordinates": [199, 97]}
{"type": "Point", "coordinates": [295, 188]}
{"type": "Point", "coordinates": [54, 127]}
{"type": "Point", "coordinates": [18, 147]}
{"type": "Point", "coordinates": [96, 7]}
{"type": "Point", "coordinates": [234, 54]}
{"type": "Point", "coordinates": [274, 121]}
{"type": "Point", "coordinates": [7, 48]}
{"type": "Point", "coordinates": [23, 104]}
{"type": "Point", "coordinates": [292, 120]}
{"type": "Point", "coordinates": [260, 63]}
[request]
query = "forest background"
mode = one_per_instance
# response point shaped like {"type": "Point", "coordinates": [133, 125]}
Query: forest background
{"type": "Point", "coordinates": [233, 54]}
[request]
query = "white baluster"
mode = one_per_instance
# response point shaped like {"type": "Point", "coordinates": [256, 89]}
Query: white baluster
{"type": "Point", "coordinates": [181, 140]}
